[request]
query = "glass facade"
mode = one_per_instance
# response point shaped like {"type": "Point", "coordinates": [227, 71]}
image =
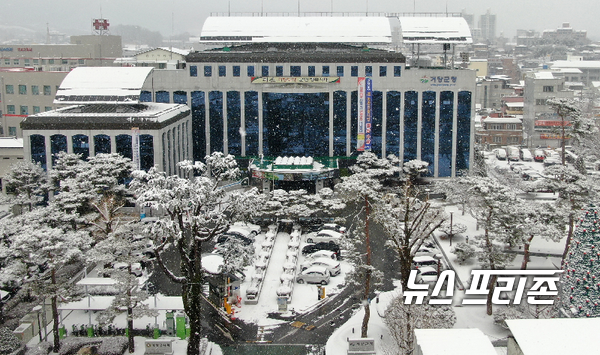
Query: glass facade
{"type": "Point", "coordinates": [145, 96]}
{"type": "Point", "coordinates": [410, 125]}
{"type": "Point", "coordinates": [377, 123]}
{"type": "Point", "coordinates": [162, 96]}
{"type": "Point", "coordinates": [428, 129]}
{"type": "Point", "coordinates": [251, 120]}
{"type": "Point", "coordinates": [58, 143]}
{"type": "Point", "coordinates": [234, 138]}
{"type": "Point", "coordinates": [392, 132]}
{"type": "Point", "coordinates": [81, 145]}
{"type": "Point", "coordinates": [296, 124]}
{"type": "Point", "coordinates": [215, 120]}
{"type": "Point", "coordinates": [463, 128]}
{"type": "Point", "coordinates": [146, 151]}
{"type": "Point", "coordinates": [445, 140]}
{"type": "Point", "coordinates": [339, 123]}
{"type": "Point", "coordinates": [124, 147]}
{"type": "Point", "coordinates": [180, 97]}
{"type": "Point", "coordinates": [198, 125]}
{"type": "Point", "coordinates": [38, 149]}
{"type": "Point", "coordinates": [101, 144]}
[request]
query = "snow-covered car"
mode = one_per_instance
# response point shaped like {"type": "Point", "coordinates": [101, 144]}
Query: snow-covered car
{"type": "Point", "coordinates": [426, 274]}
{"type": "Point", "coordinates": [334, 227]}
{"type": "Point", "coordinates": [243, 231]}
{"type": "Point", "coordinates": [331, 265]}
{"type": "Point", "coordinates": [424, 260]}
{"type": "Point", "coordinates": [531, 175]}
{"type": "Point", "coordinates": [517, 167]}
{"type": "Point", "coordinates": [312, 248]}
{"type": "Point", "coordinates": [5, 295]}
{"type": "Point", "coordinates": [526, 154]}
{"type": "Point", "coordinates": [253, 228]}
{"type": "Point", "coordinates": [322, 254]}
{"type": "Point", "coordinates": [315, 274]}
{"type": "Point", "coordinates": [325, 236]}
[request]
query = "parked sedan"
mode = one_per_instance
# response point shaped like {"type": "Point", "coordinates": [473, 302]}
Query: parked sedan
{"type": "Point", "coordinates": [322, 254]}
{"type": "Point", "coordinates": [334, 227]}
{"type": "Point", "coordinates": [426, 274]}
{"type": "Point", "coordinates": [311, 248]}
{"type": "Point", "coordinates": [315, 274]}
{"type": "Point", "coordinates": [324, 236]}
{"type": "Point", "coordinates": [331, 265]}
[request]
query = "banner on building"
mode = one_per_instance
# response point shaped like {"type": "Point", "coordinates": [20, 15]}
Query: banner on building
{"type": "Point", "coordinates": [135, 147]}
{"type": "Point", "coordinates": [365, 115]}
{"type": "Point", "coordinates": [295, 80]}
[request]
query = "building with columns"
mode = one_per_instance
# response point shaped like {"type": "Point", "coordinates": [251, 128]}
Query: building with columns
{"type": "Point", "coordinates": [280, 91]}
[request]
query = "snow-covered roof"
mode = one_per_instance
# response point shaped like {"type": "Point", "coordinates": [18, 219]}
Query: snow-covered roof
{"type": "Point", "coordinates": [515, 104]}
{"type": "Point", "coordinates": [297, 29]}
{"type": "Point", "coordinates": [544, 75]}
{"type": "Point", "coordinates": [501, 120]}
{"type": "Point", "coordinates": [102, 85]}
{"type": "Point", "coordinates": [11, 142]}
{"type": "Point", "coordinates": [213, 263]}
{"type": "Point", "coordinates": [556, 336]}
{"type": "Point", "coordinates": [453, 342]}
{"type": "Point", "coordinates": [581, 64]}
{"type": "Point", "coordinates": [168, 49]}
{"type": "Point", "coordinates": [435, 30]}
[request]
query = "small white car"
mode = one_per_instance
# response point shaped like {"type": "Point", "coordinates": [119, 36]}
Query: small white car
{"type": "Point", "coordinates": [314, 274]}
{"type": "Point", "coordinates": [334, 227]}
{"type": "Point", "coordinates": [424, 260]}
{"type": "Point", "coordinates": [331, 265]}
{"type": "Point", "coordinates": [426, 274]}
{"type": "Point", "coordinates": [136, 268]}
{"type": "Point", "coordinates": [324, 236]}
{"type": "Point", "coordinates": [322, 254]}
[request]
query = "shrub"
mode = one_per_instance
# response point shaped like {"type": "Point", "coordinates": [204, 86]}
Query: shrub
{"type": "Point", "coordinates": [8, 341]}
{"type": "Point", "coordinates": [463, 252]}
{"type": "Point", "coordinates": [113, 346]}
{"type": "Point", "coordinates": [42, 348]}
{"type": "Point", "coordinates": [71, 345]}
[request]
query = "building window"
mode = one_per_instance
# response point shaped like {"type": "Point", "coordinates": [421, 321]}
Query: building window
{"type": "Point", "coordinates": [222, 70]}
{"type": "Point", "coordinates": [47, 90]}
{"type": "Point", "coordinates": [10, 109]}
{"type": "Point", "coordinates": [383, 70]}
{"type": "Point", "coordinates": [35, 90]}
{"type": "Point", "coordinates": [512, 140]}
{"type": "Point", "coordinates": [12, 131]}
{"type": "Point", "coordinates": [6, 61]}
{"type": "Point", "coordinates": [47, 108]}
{"type": "Point", "coordinates": [24, 110]}
{"type": "Point", "coordinates": [64, 61]}
{"type": "Point", "coordinates": [311, 70]}
{"type": "Point", "coordinates": [265, 70]}
{"type": "Point", "coordinates": [81, 61]}
{"type": "Point", "coordinates": [22, 89]}
{"type": "Point", "coordinates": [236, 70]}
{"type": "Point", "coordinates": [295, 70]}
{"type": "Point", "coordinates": [10, 89]}
{"type": "Point", "coordinates": [193, 70]}
{"type": "Point", "coordinates": [540, 102]}
{"type": "Point", "coordinates": [548, 88]}
{"type": "Point", "coordinates": [81, 145]}
{"type": "Point", "coordinates": [250, 70]}
{"type": "Point", "coordinates": [511, 126]}
{"type": "Point", "coordinates": [368, 70]}
{"type": "Point", "coordinates": [325, 71]}
{"type": "Point", "coordinates": [207, 70]}
{"type": "Point", "coordinates": [340, 70]}
{"type": "Point", "coordinates": [27, 61]}
{"type": "Point", "coordinates": [15, 61]}
{"type": "Point", "coordinates": [50, 61]}
{"type": "Point", "coordinates": [36, 109]}
{"type": "Point", "coordinates": [279, 70]}
{"type": "Point", "coordinates": [496, 127]}
{"type": "Point", "coordinates": [497, 139]}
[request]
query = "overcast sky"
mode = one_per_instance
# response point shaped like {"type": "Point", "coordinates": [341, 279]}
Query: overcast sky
{"type": "Point", "coordinates": [177, 16]}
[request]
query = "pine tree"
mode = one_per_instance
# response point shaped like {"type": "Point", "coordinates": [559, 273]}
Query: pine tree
{"type": "Point", "coordinates": [581, 277]}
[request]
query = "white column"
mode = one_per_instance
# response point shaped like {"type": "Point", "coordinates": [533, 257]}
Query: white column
{"type": "Point", "coordinates": [260, 123]}
{"type": "Point", "coordinates": [348, 123]}
{"type": "Point", "coordinates": [419, 122]}
{"type": "Point", "coordinates": [436, 147]}
{"type": "Point", "coordinates": [454, 133]}
{"type": "Point", "coordinates": [330, 122]}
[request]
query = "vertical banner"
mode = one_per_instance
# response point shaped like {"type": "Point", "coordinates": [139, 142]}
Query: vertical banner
{"type": "Point", "coordinates": [360, 139]}
{"type": "Point", "coordinates": [135, 147]}
{"type": "Point", "coordinates": [368, 112]}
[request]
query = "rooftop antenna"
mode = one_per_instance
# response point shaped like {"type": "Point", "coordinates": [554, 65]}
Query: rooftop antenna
{"type": "Point", "coordinates": [298, 8]}
{"type": "Point", "coordinates": [47, 33]}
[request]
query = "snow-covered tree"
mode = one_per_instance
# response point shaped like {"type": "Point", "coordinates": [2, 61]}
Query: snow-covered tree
{"type": "Point", "coordinates": [402, 320]}
{"type": "Point", "coordinates": [196, 211]}
{"type": "Point", "coordinates": [407, 221]}
{"type": "Point", "coordinates": [9, 342]}
{"type": "Point", "coordinates": [580, 279]}
{"type": "Point", "coordinates": [452, 229]}
{"type": "Point", "coordinates": [123, 247]}
{"type": "Point", "coordinates": [40, 248]}
{"type": "Point", "coordinates": [26, 184]}
{"type": "Point", "coordinates": [574, 191]}
{"type": "Point", "coordinates": [491, 203]}
{"type": "Point", "coordinates": [463, 252]}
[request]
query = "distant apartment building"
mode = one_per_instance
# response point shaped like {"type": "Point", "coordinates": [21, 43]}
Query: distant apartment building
{"type": "Point", "coordinates": [590, 70]}
{"type": "Point", "coordinates": [31, 74]}
{"type": "Point", "coordinates": [158, 58]}
{"type": "Point", "coordinates": [491, 91]}
{"type": "Point", "coordinates": [565, 35]}
{"type": "Point", "coordinates": [539, 87]}
{"type": "Point", "coordinates": [487, 24]}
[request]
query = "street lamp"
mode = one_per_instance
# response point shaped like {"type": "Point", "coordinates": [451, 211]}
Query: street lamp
{"type": "Point", "coordinates": [451, 214]}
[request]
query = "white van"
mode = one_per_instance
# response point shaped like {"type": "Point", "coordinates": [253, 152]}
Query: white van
{"type": "Point", "coordinates": [513, 153]}
{"type": "Point", "coordinates": [526, 155]}
{"type": "Point", "coordinates": [500, 154]}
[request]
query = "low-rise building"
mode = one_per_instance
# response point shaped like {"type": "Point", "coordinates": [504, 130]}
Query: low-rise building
{"type": "Point", "coordinates": [500, 131]}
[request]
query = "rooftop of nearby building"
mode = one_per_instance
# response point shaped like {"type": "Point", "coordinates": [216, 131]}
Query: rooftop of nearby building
{"type": "Point", "coordinates": [431, 30]}
{"type": "Point", "coordinates": [453, 342]}
{"type": "Point", "coordinates": [11, 142]}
